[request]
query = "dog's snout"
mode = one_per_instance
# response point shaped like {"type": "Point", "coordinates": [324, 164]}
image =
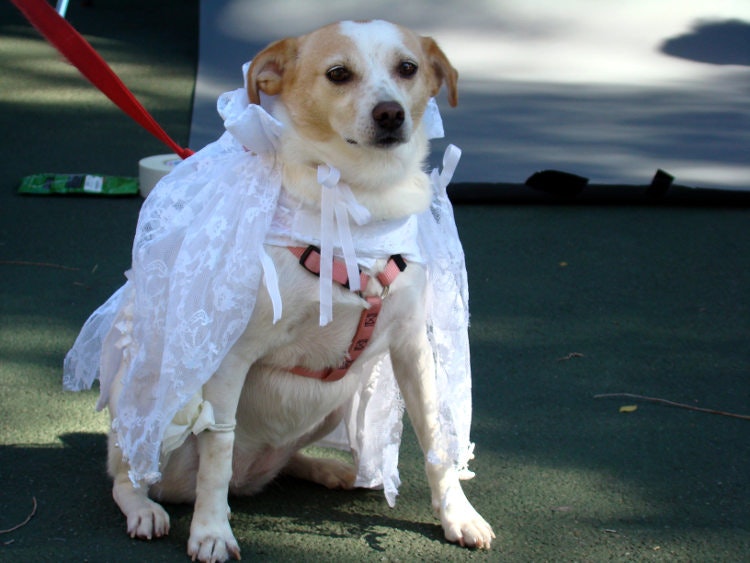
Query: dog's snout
{"type": "Point", "coordinates": [389, 116]}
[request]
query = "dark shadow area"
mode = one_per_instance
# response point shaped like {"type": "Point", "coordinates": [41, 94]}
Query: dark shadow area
{"type": "Point", "coordinates": [715, 42]}
{"type": "Point", "coordinates": [310, 512]}
{"type": "Point", "coordinates": [571, 302]}
{"type": "Point", "coordinates": [478, 193]}
{"type": "Point", "coordinates": [76, 517]}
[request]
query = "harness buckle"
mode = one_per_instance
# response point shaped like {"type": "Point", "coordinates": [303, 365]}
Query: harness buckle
{"type": "Point", "coordinates": [305, 255]}
{"type": "Point", "coordinates": [399, 261]}
{"type": "Point", "coordinates": [309, 259]}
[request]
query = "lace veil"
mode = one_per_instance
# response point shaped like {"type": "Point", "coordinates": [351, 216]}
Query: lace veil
{"type": "Point", "coordinates": [198, 262]}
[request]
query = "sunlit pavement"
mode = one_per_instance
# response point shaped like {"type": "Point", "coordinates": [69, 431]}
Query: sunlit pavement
{"type": "Point", "coordinates": [609, 90]}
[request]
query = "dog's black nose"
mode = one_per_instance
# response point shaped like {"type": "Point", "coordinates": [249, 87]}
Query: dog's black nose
{"type": "Point", "coordinates": [389, 116]}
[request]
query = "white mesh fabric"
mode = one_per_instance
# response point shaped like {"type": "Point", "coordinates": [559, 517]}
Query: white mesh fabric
{"type": "Point", "coordinates": [197, 267]}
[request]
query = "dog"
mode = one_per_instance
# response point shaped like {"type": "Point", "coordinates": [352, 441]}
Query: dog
{"type": "Point", "coordinates": [351, 95]}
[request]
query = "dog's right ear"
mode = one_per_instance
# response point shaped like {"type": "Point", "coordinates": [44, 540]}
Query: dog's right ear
{"type": "Point", "coordinates": [443, 70]}
{"type": "Point", "coordinates": [268, 68]}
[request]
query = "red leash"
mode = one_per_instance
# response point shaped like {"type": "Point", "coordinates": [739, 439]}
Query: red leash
{"type": "Point", "coordinates": [82, 55]}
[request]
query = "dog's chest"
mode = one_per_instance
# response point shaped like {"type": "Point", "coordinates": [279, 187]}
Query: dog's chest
{"type": "Point", "coordinates": [302, 342]}
{"type": "Point", "coordinates": [297, 339]}
{"type": "Point", "coordinates": [280, 407]}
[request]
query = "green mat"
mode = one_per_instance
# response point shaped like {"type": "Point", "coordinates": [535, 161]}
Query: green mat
{"type": "Point", "coordinates": [567, 302]}
{"type": "Point", "coordinates": [77, 184]}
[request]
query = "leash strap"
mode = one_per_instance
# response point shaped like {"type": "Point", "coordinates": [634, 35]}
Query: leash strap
{"type": "Point", "coordinates": [82, 55]}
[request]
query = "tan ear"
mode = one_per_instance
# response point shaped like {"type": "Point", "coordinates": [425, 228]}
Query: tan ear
{"type": "Point", "coordinates": [444, 71]}
{"type": "Point", "coordinates": [267, 70]}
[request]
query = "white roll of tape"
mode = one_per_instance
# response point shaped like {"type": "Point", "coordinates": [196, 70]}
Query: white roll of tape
{"type": "Point", "coordinates": [153, 168]}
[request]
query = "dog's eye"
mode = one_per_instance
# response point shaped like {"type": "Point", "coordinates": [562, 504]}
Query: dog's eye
{"type": "Point", "coordinates": [407, 69]}
{"type": "Point", "coordinates": [338, 74]}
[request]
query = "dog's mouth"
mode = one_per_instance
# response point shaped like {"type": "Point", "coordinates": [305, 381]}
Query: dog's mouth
{"type": "Point", "coordinates": [388, 141]}
{"type": "Point", "coordinates": [381, 142]}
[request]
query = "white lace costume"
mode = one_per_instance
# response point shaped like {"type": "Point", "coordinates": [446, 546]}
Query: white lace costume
{"type": "Point", "coordinates": [198, 263]}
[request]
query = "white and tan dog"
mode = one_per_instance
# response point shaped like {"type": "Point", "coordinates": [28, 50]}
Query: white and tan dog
{"type": "Point", "coordinates": [351, 95]}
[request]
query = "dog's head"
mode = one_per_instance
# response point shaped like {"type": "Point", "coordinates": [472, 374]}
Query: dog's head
{"type": "Point", "coordinates": [365, 84]}
{"type": "Point", "coordinates": [352, 95]}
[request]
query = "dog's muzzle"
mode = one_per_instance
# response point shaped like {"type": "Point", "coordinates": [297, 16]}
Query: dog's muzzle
{"type": "Point", "coordinates": [388, 118]}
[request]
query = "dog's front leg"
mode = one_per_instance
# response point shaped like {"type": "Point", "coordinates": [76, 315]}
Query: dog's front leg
{"type": "Point", "coordinates": [413, 366]}
{"type": "Point", "coordinates": [211, 537]}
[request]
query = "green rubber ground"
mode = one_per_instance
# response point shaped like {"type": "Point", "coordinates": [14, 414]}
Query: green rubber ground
{"type": "Point", "coordinates": [567, 302]}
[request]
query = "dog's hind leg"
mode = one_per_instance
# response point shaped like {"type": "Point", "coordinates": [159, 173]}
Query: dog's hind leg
{"type": "Point", "coordinates": [146, 518]}
{"type": "Point", "coordinates": [330, 473]}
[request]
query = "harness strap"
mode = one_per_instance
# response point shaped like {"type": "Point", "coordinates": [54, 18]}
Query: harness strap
{"type": "Point", "coordinates": [82, 55]}
{"type": "Point", "coordinates": [395, 265]}
{"type": "Point", "coordinates": [367, 321]}
{"type": "Point", "coordinates": [310, 260]}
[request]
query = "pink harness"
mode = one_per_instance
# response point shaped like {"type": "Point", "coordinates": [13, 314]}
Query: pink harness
{"type": "Point", "coordinates": [309, 258]}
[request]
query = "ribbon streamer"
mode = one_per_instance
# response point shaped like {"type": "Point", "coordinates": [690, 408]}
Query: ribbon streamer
{"type": "Point", "coordinates": [450, 161]}
{"type": "Point", "coordinates": [272, 283]}
{"type": "Point", "coordinates": [337, 204]}
{"type": "Point", "coordinates": [328, 178]}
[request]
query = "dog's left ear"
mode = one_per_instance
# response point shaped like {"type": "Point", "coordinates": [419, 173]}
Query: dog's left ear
{"type": "Point", "coordinates": [444, 71]}
{"type": "Point", "coordinates": [267, 70]}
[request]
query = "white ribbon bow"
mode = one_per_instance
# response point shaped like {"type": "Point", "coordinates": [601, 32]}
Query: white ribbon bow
{"type": "Point", "coordinates": [337, 204]}
{"type": "Point", "coordinates": [440, 180]}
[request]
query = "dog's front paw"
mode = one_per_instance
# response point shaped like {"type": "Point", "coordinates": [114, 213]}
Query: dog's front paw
{"type": "Point", "coordinates": [212, 543]}
{"type": "Point", "coordinates": [462, 524]}
{"type": "Point", "coordinates": [147, 522]}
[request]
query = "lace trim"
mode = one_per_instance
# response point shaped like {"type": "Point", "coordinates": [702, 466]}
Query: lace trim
{"type": "Point", "coordinates": [198, 262]}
